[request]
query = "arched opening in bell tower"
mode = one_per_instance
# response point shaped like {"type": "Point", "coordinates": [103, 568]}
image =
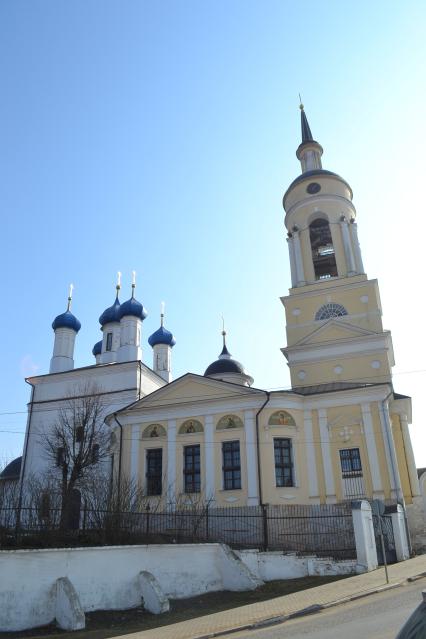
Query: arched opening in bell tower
{"type": "Point", "coordinates": [323, 255]}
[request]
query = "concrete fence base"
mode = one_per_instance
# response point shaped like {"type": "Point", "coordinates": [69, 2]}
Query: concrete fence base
{"type": "Point", "coordinates": [39, 586]}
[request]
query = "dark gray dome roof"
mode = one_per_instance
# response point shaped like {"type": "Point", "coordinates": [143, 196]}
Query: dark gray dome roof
{"type": "Point", "coordinates": [224, 366]}
{"type": "Point", "coordinates": [12, 470]}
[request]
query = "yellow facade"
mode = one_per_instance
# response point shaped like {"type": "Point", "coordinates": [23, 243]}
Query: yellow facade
{"type": "Point", "coordinates": [341, 432]}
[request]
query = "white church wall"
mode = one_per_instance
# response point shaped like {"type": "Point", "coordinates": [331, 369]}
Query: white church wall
{"type": "Point", "coordinates": [121, 383]}
{"type": "Point", "coordinates": [108, 578]}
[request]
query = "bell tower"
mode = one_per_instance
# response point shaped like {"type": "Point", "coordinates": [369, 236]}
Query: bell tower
{"type": "Point", "coordinates": [333, 311]}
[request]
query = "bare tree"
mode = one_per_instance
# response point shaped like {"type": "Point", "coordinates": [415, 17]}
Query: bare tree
{"type": "Point", "coordinates": [76, 443]}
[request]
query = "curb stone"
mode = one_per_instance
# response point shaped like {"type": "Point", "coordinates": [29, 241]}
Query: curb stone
{"type": "Point", "coordinates": [310, 609]}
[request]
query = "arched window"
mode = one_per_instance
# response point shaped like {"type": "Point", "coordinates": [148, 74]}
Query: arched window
{"type": "Point", "coordinates": [330, 310]}
{"type": "Point", "coordinates": [191, 426]}
{"type": "Point", "coordinates": [229, 421]}
{"type": "Point", "coordinates": [153, 431]}
{"type": "Point", "coordinates": [322, 247]}
{"type": "Point", "coordinates": [281, 418]}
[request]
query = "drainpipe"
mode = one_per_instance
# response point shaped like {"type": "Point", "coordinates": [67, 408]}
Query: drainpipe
{"type": "Point", "coordinates": [140, 379]}
{"type": "Point", "coordinates": [24, 459]}
{"type": "Point", "coordinates": [391, 447]}
{"type": "Point", "coordinates": [259, 478]}
{"type": "Point", "coordinates": [119, 460]}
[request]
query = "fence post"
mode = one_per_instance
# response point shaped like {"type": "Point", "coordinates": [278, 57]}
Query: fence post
{"type": "Point", "coordinates": [265, 526]}
{"type": "Point", "coordinates": [400, 533]}
{"type": "Point", "coordinates": [147, 519]}
{"type": "Point", "coordinates": [364, 535]}
{"type": "Point", "coordinates": [207, 522]}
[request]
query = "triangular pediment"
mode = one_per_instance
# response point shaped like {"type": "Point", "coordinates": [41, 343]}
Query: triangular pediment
{"type": "Point", "coordinates": [334, 330]}
{"type": "Point", "coordinates": [191, 388]}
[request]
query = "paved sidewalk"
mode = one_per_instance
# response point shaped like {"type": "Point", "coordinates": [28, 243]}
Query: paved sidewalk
{"type": "Point", "coordinates": [280, 608]}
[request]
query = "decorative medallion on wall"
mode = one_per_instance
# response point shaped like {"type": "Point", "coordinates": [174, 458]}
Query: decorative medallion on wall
{"type": "Point", "coordinates": [153, 431]}
{"type": "Point", "coordinates": [191, 426]}
{"type": "Point", "coordinates": [229, 421]}
{"type": "Point", "coordinates": [346, 433]}
{"type": "Point", "coordinates": [281, 418]}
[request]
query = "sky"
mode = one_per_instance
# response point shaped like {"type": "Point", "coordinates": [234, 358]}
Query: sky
{"type": "Point", "coordinates": [161, 136]}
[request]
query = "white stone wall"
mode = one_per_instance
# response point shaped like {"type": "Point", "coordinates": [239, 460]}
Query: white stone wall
{"type": "Point", "coordinates": [109, 577]}
{"type": "Point", "coordinates": [278, 565]}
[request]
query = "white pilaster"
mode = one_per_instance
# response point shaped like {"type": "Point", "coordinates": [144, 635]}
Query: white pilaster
{"type": "Point", "coordinates": [134, 455]}
{"type": "Point", "coordinates": [171, 459]}
{"type": "Point", "coordinates": [394, 478]}
{"type": "Point", "coordinates": [252, 483]}
{"type": "Point", "coordinates": [373, 459]}
{"type": "Point", "coordinates": [330, 490]}
{"type": "Point", "coordinates": [411, 462]}
{"type": "Point", "coordinates": [353, 229]}
{"type": "Point", "coordinates": [347, 244]}
{"type": "Point", "coordinates": [310, 457]}
{"type": "Point", "coordinates": [300, 271]}
{"type": "Point", "coordinates": [209, 458]}
{"type": "Point", "coordinates": [292, 261]}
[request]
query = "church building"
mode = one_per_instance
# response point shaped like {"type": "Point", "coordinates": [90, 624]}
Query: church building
{"type": "Point", "coordinates": [340, 433]}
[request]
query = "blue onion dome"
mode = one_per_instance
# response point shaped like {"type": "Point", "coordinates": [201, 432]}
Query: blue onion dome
{"type": "Point", "coordinates": [111, 314]}
{"type": "Point", "coordinates": [134, 308]}
{"type": "Point", "coordinates": [66, 320]}
{"type": "Point", "coordinates": [97, 349]}
{"type": "Point", "coordinates": [161, 336]}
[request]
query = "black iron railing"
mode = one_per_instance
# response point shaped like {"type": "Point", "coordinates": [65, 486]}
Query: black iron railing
{"type": "Point", "coordinates": [324, 530]}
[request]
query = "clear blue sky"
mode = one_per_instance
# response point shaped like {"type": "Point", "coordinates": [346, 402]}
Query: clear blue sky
{"type": "Point", "coordinates": [160, 137]}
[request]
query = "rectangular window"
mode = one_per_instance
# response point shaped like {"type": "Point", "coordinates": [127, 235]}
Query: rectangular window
{"type": "Point", "coordinates": [350, 462]}
{"type": "Point", "coordinates": [79, 434]}
{"type": "Point", "coordinates": [95, 453]}
{"type": "Point", "coordinates": [154, 471]}
{"type": "Point", "coordinates": [283, 462]}
{"type": "Point", "coordinates": [44, 505]}
{"type": "Point", "coordinates": [60, 456]}
{"type": "Point", "coordinates": [108, 346]}
{"type": "Point", "coordinates": [191, 469]}
{"type": "Point", "coordinates": [231, 465]}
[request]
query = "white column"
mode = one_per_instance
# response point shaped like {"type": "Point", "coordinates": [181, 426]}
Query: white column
{"type": "Point", "coordinates": [134, 455]}
{"type": "Point", "coordinates": [292, 261]}
{"type": "Point", "coordinates": [330, 490]}
{"type": "Point", "coordinates": [171, 460]}
{"type": "Point", "coordinates": [373, 459]}
{"type": "Point", "coordinates": [411, 462]}
{"type": "Point", "coordinates": [251, 459]}
{"type": "Point", "coordinates": [394, 478]}
{"type": "Point", "coordinates": [355, 244]}
{"type": "Point", "coordinates": [310, 455]}
{"type": "Point", "coordinates": [298, 259]}
{"type": "Point", "coordinates": [210, 491]}
{"type": "Point", "coordinates": [350, 261]}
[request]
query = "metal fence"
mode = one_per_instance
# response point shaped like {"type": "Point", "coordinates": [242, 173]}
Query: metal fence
{"type": "Point", "coordinates": [324, 530]}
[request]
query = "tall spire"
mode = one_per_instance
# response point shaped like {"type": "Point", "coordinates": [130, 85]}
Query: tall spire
{"type": "Point", "coordinates": [225, 354]}
{"type": "Point", "coordinates": [309, 152]}
{"type": "Point", "coordinates": [306, 129]}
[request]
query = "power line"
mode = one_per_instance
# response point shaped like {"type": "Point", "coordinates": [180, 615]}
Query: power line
{"type": "Point", "coordinates": [214, 397]}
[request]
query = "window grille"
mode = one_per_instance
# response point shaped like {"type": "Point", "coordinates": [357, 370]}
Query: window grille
{"type": "Point", "coordinates": [283, 462]}
{"type": "Point", "coordinates": [326, 311]}
{"type": "Point", "coordinates": [191, 469]}
{"type": "Point", "coordinates": [231, 465]}
{"type": "Point", "coordinates": [154, 471]}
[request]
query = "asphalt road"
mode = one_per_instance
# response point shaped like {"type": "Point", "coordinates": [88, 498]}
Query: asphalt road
{"type": "Point", "coordinates": [378, 616]}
